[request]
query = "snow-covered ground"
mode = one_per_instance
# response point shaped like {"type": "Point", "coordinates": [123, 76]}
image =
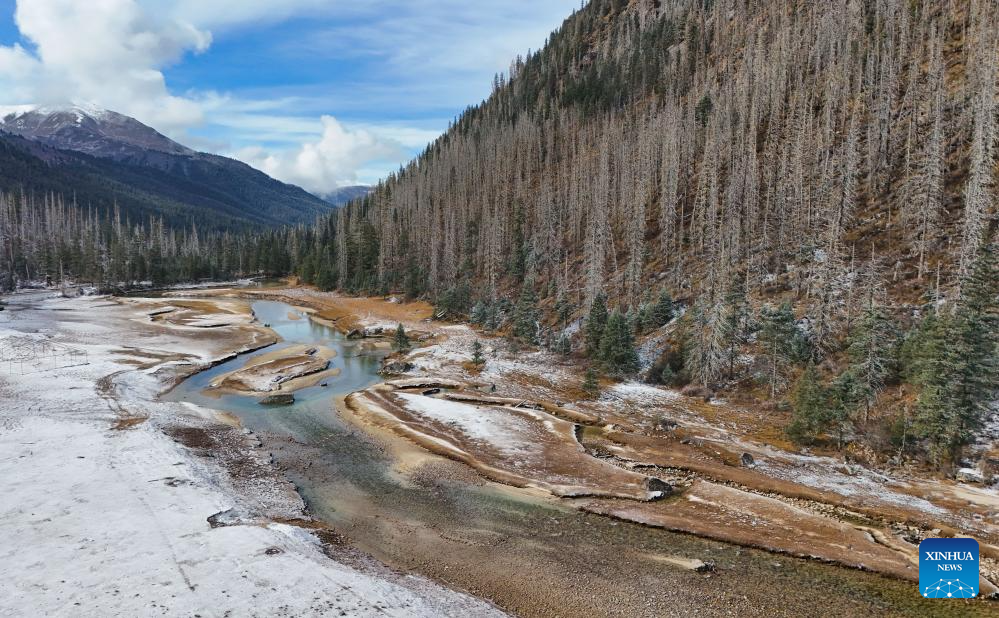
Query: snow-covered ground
{"type": "Point", "coordinates": [105, 521]}
{"type": "Point", "coordinates": [506, 432]}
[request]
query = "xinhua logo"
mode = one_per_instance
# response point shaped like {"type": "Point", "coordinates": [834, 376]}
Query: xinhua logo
{"type": "Point", "coordinates": [948, 568]}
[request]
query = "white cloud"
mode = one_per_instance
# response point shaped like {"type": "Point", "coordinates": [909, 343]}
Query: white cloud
{"type": "Point", "coordinates": [331, 161]}
{"type": "Point", "coordinates": [110, 52]}
{"type": "Point", "coordinates": [422, 58]}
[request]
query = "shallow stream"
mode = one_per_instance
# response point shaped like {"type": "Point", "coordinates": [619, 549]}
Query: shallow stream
{"type": "Point", "coordinates": [531, 554]}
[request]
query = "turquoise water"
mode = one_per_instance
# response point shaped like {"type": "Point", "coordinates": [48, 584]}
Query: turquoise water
{"type": "Point", "coordinates": [312, 413]}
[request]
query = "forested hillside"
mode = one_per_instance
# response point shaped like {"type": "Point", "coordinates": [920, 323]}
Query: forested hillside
{"type": "Point", "coordinates": [807, 178]}
{"type": "Point", "coordinates": [48, 239]}
{"type": "Point", "coordinates": [696, 139]}
{"type": "Point", "coordinates": [790, 203]}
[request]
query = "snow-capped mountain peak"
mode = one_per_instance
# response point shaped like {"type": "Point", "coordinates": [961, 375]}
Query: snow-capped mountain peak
{"type": "Point", "coordinates": [89, 129]}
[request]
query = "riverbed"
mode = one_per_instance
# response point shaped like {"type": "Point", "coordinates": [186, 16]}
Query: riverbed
{"type": "Point", "coordinates": [532, 554]}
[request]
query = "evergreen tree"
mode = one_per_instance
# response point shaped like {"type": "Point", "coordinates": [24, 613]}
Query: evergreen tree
{"type": "Point", "coordinates": [525, 317]}
{"type": "Point", "coordinates": [479, 314]}
{"type": "Point", "coordinates": [703, 342]}
{"type": "Point", "coordinates": [617, 347]}
{"type": "Point", "coordinates": [735, 322]}
{"type": "Point", "coordinates": [325, 278]}
{"type": "Point", "coordinates": [663, 310]}
{"type": "Point", "coordinates": [563, 309]}
{"type": "Point", "coordinates": [563, 344]}
{"type": "Point", "coordinates": [6, 281]}
{"type": "Point", "coordinates": [518, 260]}
{"type": "Point", "coordinates": [455, 301]}
{"type": "Point", "coordinates": [596, 321]}
{"type": "Point", "coordinates": [961, 370]}
{"type": "Point", "coordinates": [590, 384]}
{"type": "Point", "coordinates": [401, 340]}
{"type": "Point", "coordinates": [643, 320]}
{"type": "Point", "coordinates": [872, 351]}
{"type": "Point", "coordinates": [702, 113]}
{"type": "Point", "coordinates": [920, 346]}
{"type": "Point", "coordinates": [493, 316]}
{"type": "Point", "coordinates": [846, 394]}
{"type": "Point", "coordinates": [415, 281]}
{"type": "Point", "coordinates": [777, 338]}
{"type": "Point", "coordinates": [477, 357]}
{"type": "Point", "coordinates": [810, 413]}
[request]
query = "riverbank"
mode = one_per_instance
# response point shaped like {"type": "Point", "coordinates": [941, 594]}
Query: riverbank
{"type": "Point", "coordinates": [117, 504]}
{"type": "Point", "coordinates": [821, 510]}
{"type": "Point", "coordinates": [373, 493]}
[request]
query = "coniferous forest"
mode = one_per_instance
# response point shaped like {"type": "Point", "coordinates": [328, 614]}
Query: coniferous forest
{"type": "Point", "coordinates": [804, 190]}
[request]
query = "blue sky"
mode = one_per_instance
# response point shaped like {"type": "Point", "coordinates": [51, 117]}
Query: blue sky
{"type": "Point", "coordinates": [322, 93]}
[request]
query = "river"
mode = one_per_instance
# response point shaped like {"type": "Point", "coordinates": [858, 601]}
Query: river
{"type": "Point", "coordinates": [531, 554]}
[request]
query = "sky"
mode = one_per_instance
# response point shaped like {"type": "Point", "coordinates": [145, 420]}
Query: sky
{"type": "Point", "coordinates": [319, 93]}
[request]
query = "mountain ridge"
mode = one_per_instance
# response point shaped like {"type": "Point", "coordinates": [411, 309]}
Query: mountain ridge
{"type": "Point", "coordinates": [109, 158]}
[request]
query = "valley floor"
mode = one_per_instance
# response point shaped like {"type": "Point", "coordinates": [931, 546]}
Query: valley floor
{"type": "Point", "coordinates": [513, 420]}
{"type": "Point", "coordinates": [107, 495]}
{"type": "Point", "coordinates": [504, 483]}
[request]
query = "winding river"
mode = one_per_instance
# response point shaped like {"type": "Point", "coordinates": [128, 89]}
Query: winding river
{"type": "Point", "coordinates": [532, 554]}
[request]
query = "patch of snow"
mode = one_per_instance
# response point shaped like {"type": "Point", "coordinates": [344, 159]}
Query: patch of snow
{"type": "Point", "coordinates": [822, 473]}
{"type": "Point", "coordinates": [491, 426]}
{"type": "Point", "coordinates": [644, 394]}
{"type": "Point", "coordinates": [97, 523]}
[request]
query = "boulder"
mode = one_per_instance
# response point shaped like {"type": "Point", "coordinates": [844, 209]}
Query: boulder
{"type": "Point", "coordinates": [970, 475]}
{"type": "Point", "coordinates": [355, 334]}
{"type": "Point", "coordinates": [654, 484]}
{"type": "Point", "coordinates": [396, 366]}
{"type": "Point", "coordinates": [278, 399]}
{"type": "Point", "coordinates": [666, 424]}
{"type": "Point", "coordinates": [747, 460]}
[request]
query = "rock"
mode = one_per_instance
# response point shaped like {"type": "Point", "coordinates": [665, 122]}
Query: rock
{"type": "Point", "coordinates": [705, 567]}
{"type": "Point", "coordinates": [431, 391]}
{"type": "Point", "coordinates": [747, 460]}
{"type": "Point", "coordinates": [396, 366]}
{"type": "Point", "coordinates": [279, 399]}
{"type": "Point", "coordinates": [230, 517]}
{"type": "Point", "coordinates": [666, 424]}
{"type": "Point", "coordinates": [355, 334]}
{"type": "Point", "coordinates": [373, 331]}
{"type": "Point", "coordinates": [311, 351]}
{"type": "Point", "coordinates": [970, 475]}
{"type": "Point", "coordinates": [654, 485]}
{"type": "Point", "coordinates": [696, 390]}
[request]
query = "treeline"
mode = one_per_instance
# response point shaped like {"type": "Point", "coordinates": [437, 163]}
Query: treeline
{"type": "Point", "coordinates": [47, 240]}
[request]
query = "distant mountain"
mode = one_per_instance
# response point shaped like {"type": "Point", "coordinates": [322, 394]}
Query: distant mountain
{"type": "Point", "coordinates": [103, 157]}
{"type": "Point", "coordinates": [343, 195]}
{"type": "Point", "coordinates": [92, 131]}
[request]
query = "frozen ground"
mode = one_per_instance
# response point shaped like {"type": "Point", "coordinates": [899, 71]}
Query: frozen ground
{"type": "Point", "coordinates": [102, 517]}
